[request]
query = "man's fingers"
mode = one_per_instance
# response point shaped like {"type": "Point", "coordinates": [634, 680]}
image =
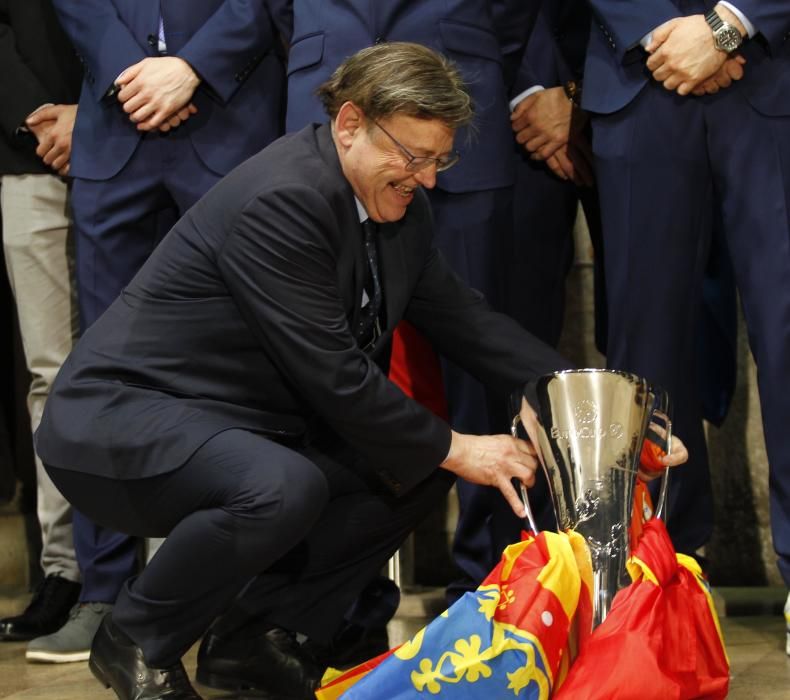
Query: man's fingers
{"type": "Point", "coordinates": [672, 82]}
{"type": "Point", "coordinates": [134, 102]}
{"type": "Point", "coordinates": [686, 87]}
{"type": "Point", "coordinates": [678, 455]}
{"type": "Point", "coordinates": [58, 163]}
{"type": "Point", "coordinates": [655, 61]}
{"type": "Point", "coordinates": [129, 74]}
{"type": "Point", "coordinates": [44, 146]}
{"type": "Point", "coordinates": [537, 142]}
{"type": "Point", "coordinates": [44, 114]}
{"type": "Point", "coordinates": [146, 113]}
{"type": "Point", "coordinates": [511, 496]}
{"type": "Point", "coordinates": [554, 165]}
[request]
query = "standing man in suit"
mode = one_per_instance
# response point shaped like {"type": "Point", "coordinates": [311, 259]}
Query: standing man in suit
{"type": "Point", "coordinates": [670, 166]}
{"type": "Point", "coordinates": [553, 166]}
{"type": "Point", "coordinates": [235, 395]}
{"type": "Point", "coordinates": [39, 86]}
{"type": "Point", "coordinates": [175, 94]}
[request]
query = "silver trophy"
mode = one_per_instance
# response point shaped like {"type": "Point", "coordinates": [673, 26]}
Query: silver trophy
{"type": "Point", "coordinates": [592, 426]}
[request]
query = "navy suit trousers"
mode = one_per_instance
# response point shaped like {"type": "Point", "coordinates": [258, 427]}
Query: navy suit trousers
{"type": "Point", "coordinates": [669, 169]}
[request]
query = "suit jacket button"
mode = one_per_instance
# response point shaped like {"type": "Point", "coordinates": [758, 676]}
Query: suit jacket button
{"type": "Point", "coordinates": [380, 40]}
{"type": "Point", "coordinates": [152, 40]}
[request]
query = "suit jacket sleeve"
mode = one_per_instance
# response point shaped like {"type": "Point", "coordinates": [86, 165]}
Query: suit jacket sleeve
{"type": "Point", "coordinates": [20, 90]}
{"type": "Point", "coordinates": [771, 18]}
{"type": "Point", "coordinates": [279, 263]}
{"type": "Point", "coordinates": [104, 43]}
{"type": "Point", "coordinates": [230, 45]}
{"type": "Point", "coordinates": [627, 21]}
{"type": "Point", "coordinates": [461, 325]}
{"type": "Point", "coordinates": [513, 21]}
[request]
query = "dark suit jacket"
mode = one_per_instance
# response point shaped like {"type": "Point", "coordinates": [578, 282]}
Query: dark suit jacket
{"type": "Point", "coordinates": [615, 71]}
{"type": "Point", "coordinates": [39, 66]}
{"type": "Point", "coordinates": [241, 318]}
{"type": "Point", "coordinates": [557, 45]}
{"type": "Point", "coordinates": [231, 44]}
{"type": "Point", "coordinates": [485, 38]}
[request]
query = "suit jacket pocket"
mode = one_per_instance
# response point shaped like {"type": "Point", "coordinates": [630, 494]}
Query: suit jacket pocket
{"type": "Point", "coordinates": [305, 52]}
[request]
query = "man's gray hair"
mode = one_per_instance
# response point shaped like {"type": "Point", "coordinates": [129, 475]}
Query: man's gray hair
{"type": "Point", "coordinates": [399, 78]}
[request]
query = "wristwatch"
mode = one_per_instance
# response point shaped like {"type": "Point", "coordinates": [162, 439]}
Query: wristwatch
{"type": "Point", "coordinates": [725, 36]}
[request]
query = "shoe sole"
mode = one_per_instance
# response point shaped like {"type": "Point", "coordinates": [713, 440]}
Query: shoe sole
{"type": "Point", "coordinates": [11, 637]}
{"type": "Point", "coordinates": [55, 657]}
{"type": "Point", "coordinates": [220, 682]}
{"type": "Point", "coordinates": [214, 680]}
{"type": "Point", "coordinates": [99, 674]}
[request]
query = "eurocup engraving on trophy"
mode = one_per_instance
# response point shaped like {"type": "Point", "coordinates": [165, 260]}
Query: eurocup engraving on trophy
{"type": "Point", "coordinates": [592, 424]}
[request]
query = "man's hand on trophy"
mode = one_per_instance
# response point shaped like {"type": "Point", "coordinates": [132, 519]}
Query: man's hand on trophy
{"type": "Point", "coordinates": [493, 460]}
{"type": "Point", "coordinates": [654, 458]}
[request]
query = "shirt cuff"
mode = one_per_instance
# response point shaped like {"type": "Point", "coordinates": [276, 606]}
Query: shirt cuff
{"type": "Point", "coordinates": [747, 25]}
{"type": "Point", "coordinates": [523, 95]}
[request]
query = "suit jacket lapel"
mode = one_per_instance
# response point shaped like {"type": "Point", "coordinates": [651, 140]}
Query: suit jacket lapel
{"type": "Point", "coordinates": [351, 261]}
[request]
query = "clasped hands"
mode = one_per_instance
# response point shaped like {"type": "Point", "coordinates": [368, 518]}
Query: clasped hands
{"type": "Point", "coordinates": [550, 127]}
{"type": "Point", "coordinates": [684, 58]}
{"type": "Point", "coordinates": [157, 92]}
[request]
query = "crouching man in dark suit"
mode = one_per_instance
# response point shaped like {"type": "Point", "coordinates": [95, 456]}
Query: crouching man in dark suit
{"type": "Point", "coordinates": [235, 398]}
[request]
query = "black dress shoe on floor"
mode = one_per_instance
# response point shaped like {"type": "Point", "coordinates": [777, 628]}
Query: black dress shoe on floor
{"type": "Point", "coordinates": [47, 612]}
{"type": "Point", "coordinates": [352, 645]}
{"type": "Point", "coordinates": [267, 662]}
{"type": "Point", "coordinates": [118, 663]}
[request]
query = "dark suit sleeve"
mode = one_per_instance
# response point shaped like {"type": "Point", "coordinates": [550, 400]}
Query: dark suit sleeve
{"type": "Point", "coordinates": [20, 90]}
{"type": "Point", "coordinates": [630, 20]}
{"type": "Point", "coordinates": [513, 21]}
{"type": "Point", "coordinates": [103, 42]}
{"type": "Point", "coordinates": [230, 45]}
{"type": "Point", "coordinates": [771, 18]}
{"type": "Point", "coordinates": [281, 270]}
{"type": "Point", "coordinates": [461, 325]}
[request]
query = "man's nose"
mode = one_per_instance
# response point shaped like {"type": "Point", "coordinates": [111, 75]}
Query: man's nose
{"type": "Point", "coordinates": [427, 176]}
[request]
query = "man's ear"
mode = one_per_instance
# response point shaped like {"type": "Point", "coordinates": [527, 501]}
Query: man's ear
{"type": "Point", "coordinates": [348, 122]}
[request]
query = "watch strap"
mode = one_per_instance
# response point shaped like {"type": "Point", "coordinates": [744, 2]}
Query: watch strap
{"type": "Point", "coordinates": [714, 19]}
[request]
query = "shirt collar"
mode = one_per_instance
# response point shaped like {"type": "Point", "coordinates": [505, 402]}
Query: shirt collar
{"type": "Point", "coordinates": [363, 215]}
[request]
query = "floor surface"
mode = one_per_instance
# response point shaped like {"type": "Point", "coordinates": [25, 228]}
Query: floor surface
{"type": "Point", "coordinates": [760, 668]}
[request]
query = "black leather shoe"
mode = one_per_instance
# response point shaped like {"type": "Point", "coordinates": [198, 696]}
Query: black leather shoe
{"type": "Point", "coordinates": [47, 612]}
{"type": "Point", "coordinates": [352, 645]}
{"type": "Point", "coordinates": [118, 663]}
{"type": "Point", "coordinates": [268, 662]}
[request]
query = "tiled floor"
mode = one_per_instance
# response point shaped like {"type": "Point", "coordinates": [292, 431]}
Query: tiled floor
{"type": "Point", "coordinates": [760, 668]}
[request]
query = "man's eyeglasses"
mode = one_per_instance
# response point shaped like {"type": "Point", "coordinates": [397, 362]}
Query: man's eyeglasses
{"type": "Point", "coordinates": [416, 163]}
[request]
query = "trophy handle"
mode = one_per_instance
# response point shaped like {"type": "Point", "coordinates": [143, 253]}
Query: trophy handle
{"type": "Point", "coordinates": [524, 497]}
{"type": "Point", "coordinates": [659, 434]}
{"type": "Point", "coordinates": [663, 489]}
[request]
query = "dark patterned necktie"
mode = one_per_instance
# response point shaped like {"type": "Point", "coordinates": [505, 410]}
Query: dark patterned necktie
{"type": "Point", "coordinates": [368, 328]}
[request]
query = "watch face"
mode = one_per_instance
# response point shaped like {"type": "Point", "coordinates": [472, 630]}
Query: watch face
{"type": "Point", "coordinates": [728, 38]}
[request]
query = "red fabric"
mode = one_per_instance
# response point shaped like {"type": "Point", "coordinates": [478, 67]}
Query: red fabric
{"type": "Point", "coordinates": [414, 367]}
{"type": "Point", "coordinates": [658, 642]}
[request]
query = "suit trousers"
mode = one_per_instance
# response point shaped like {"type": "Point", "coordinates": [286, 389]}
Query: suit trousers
{"type": "Point", "coordinates": [670, 169]}
{"type": "Point", "coordinates": [471, 229]}
{"type": "Point", "coordinates": [297, 531]}
{"type": "Point", "coordinates": [38, 246]}
{"type": "Point", "coordinates": [118, 224]}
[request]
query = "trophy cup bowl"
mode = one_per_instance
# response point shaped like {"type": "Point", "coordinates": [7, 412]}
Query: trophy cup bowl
{"type": "Point", "coordinates": [592, 425]}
